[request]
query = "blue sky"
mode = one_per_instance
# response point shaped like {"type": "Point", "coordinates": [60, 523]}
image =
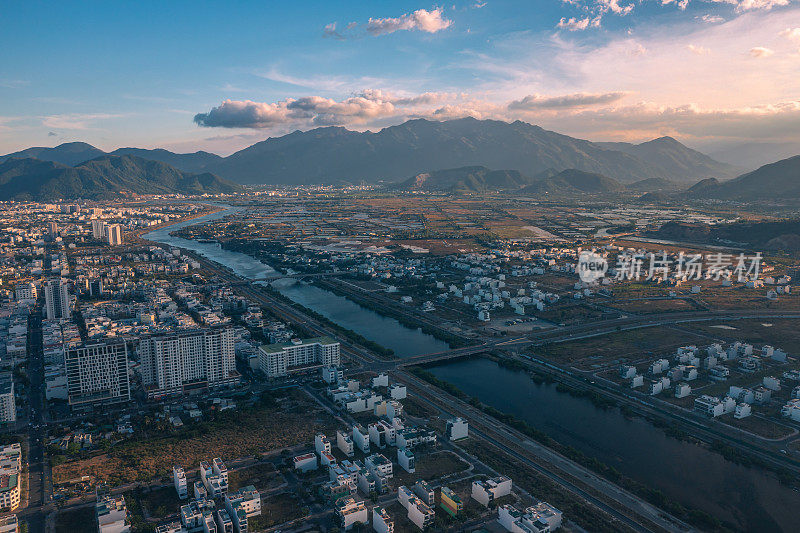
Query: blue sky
{"type": "Point", "coordinates": [221, 76]}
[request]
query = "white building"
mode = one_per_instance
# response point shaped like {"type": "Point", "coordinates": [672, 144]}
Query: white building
{"type": "Point", "coordinates": [381, 521]}
{"type": "Point", "coordinates": [179, 362]}
{"type": "Point", "coordinates": [181, 487]}
{"type": "Point", "coordinates": [26, 292]}
{"type": "Point", "coordinates": [485, 492]}
{"type": "Point", "coordinates": [8, 405]}
{"type": "Point", "coordinates": [305, 463]}
{"type": "Point", "coordinates": [419, 513]}
{"type": "Point", "coordinates": [539, 518]}
{"type": "Point", "coordinates": [350, 512]}
{"type": "Point", "coordinates": [397, 392]}
{"type": "Point", "coordinates": [98, 229]}
{"type": "Point", "coordinates": [344, 442]}
{"type": "Point", "coordinates": [406, 459]}
{"type": "Point", "coordinates": [456, 428]}
{"type": "Point", "coordinates": [682, 390]}
{"type": "Point", "coordinates": [114, 233]}
{"type": "Point", "coordinates": [279, 360]}
{"type": "Point", "coordinates": [97, 373]}
{"type": "Point", "coordinates": [322, 444]}
{"type": "Point", "coordinates": [332, 374]}
{"type": "Point", "coordinates": [56, 299]}
{"type": "Point", "coordinates": [112, 515]}
{"type": "Point", "coordinates": [743, 410]}
{"type": "Point", "coordinates": [361, 438]}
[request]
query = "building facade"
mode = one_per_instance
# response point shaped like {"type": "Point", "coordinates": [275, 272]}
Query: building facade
{"type": "Point", "coordinates": [279, 360]}
{"type": "Point", "coordinates": [97, 373]}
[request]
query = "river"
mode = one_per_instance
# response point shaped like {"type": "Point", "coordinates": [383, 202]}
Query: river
{"type": "Point", "coordinates": [745, 497]}
{"type": "Point", "coordinates": [388, 332]}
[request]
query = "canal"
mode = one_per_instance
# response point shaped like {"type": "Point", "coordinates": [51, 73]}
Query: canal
{"type": "Point", "coordinates": [388, 332]}
{"type": "Point", "coordinates": [747, 498]}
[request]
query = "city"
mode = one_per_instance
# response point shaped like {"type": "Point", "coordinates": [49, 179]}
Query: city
{"type": "Point", "coordinates": [397, 268]}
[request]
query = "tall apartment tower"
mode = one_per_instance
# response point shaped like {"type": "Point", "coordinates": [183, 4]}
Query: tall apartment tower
{"type": "Point", "coordinates": [114, 234]}
{"type": "Point", "coordinates": [175, 363]}
{"type": "Point", "coordinates": [98, 229]}
{"type": "Point", "coordinates": [56, 298]}
{"type": "Point", "coordinates": [97, 374]}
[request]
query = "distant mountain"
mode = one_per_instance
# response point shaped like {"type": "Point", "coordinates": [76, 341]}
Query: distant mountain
{"type": "Point", "coordinates": [653, 185]}
{"type": "Point", "coordinates": [465, 179]}
{"type": "Point", "coordinates": [69, 154]}
{"type": "Point", "coordinates": [780, 180]}
{"type": "Point", "coordinates": [752, 155]}
{"type": "Point", "coordinates": [335, 154]}
{"type": "Point", "coordinates": [196, 162]}
{"type": "Point", "coordinates": [768, 235]}
{"type": "Point", "coordinates": [674, 161]}
{"type": "Point", "coordinates": [104, 177]}
{"type": "Point", "coordinates": [571, 182]}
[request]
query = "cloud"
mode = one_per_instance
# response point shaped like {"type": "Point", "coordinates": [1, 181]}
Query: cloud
{"type": "Point", "coordinates": [422, 20]}
{"type": "Point", "coordinates": [329, 31]}
{"type": "Point", "coordinates": [760, 51]}
{"type": "Point", "coordinates": [793, 34]}
{"type": "Point", "coordinates": [14, 84]}
{"type": "Point", "coordinates": [75, 121]}
{"type": "Point", "coordinates": [537, 101]}
{"type": "Point", "coordinates": [573, 24]}
{"type": "Point", "coordinates": [698, 50]}
{"type": "Point", "coordinates": [712, 19]}
{"type": "Point", "coordinates": [753, 5]}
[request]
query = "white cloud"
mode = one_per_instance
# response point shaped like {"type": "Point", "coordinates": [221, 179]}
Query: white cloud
{"type": "Point", "coordinates": [793, 34]}
{"type": "Point", "coordinates": [573, 24]}
{"type": "Point", "coordinates": [75, 121]}
{"type": "Point", "coordinates": [699, 50]}
{"type": "Point", "coordinates": [422, 20]}
{"type": "Point", "coordinates": [760, 51]}
{"type": "Point", "coordinates": [752, 5]}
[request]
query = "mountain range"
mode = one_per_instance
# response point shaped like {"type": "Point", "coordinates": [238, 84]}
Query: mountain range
{"type": "Point", "coordinates": [338, 155]}
{"type": "Point", "coordinates": [103, 177]}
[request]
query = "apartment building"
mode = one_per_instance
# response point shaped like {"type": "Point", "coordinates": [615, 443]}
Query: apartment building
{"type": "Point", "coordinates": [114, 234]}
{"type": "Point", "coordinates": [190, 360]}
{"type": "Point", "coordinates": [112, 515]}
{"type": "Point", "coordinates": [490, 490]}
{"type": "Point", "coordinates": [97, 373]}
{"type": "Point", "coordinates": [8, 405]}
{"type": "Point", "coordinates": [10, 469]}
{"type": "Point", "coordinates": [419, 513]}
{"type": "Point", "coordinates": [345, 443]}
{"type": "Point", "coordinates": [198, 515]}
{"type": "Point", "coordinates": [279, 360]}
{"type": "Point", "coordinates": [450, 502]}
{"type": "Point", "coordinates": [457, 428]}
{"type": "Point", "coordinates": [56, 298]}
{"type": "Point", "coordinates": [381, 521]}
{"type": "Point", "coordinates": [349, 512]}
{"type": "Point", "coordinates": [179, 477]}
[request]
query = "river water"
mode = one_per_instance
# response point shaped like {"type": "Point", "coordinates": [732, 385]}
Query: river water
{"type": "Point", "coordinates": [748, 498]}
{"type": "Point", "coordinates": [388, 332]}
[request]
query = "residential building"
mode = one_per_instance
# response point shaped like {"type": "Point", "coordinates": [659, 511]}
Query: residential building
{"type": "Point", "coordinates": [361, 438]}
{"type": "Point", "coordinates": [279, 360]}
{"type": "Point", "coordinates": [406, 459]}
{"type": "Point", "coordinates": [186, 361]}
{"type": "Point", "coordinates": [305, 463]}
{"type": "Point", "coordinates": [381, 521]}
{"type": "Point", "coordinates": [241, 505]}
{"type": "Point", "coordinates": [171, 527]}
{"type": "Point", "coordinates": [181, 487]}
{"type": "Point", "coordinates": [450, 502]}
{"type": "Point", "coordinates": [419, 513]}
{"type": "Point", "coordinates": [344, 442]}
{"type": "Point", "coordinates": [112, 515]}
{"type": "Point", "coordinates": [490, 490]}
{"type": "Point", "coordinates": [456, 428]}
{"type": "Point", "coordinates": [8, 405]}
{"type": "Point", "coordinates": [424, 492]}
{"type": "Point", "coordinates": [350, 512]}
{"type": "Point", "coordinates": [97, 373]}
{"type": "Point", "coordinates": [56, 299]}
{"type": "Point", "coordinates": [114, 233]}
{"type": "Point", "coordinates": [10, 469]}
{"type": "Point", "coordinates": [98, 229]}
{"type": "Point", "coordinates": [9, 524]}
{"type": "Point", "coordinates": [322, 444]}
{"type": "Point", "coordinates": [198, 515]}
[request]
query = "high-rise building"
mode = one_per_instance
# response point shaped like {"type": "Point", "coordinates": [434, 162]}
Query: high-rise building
{"type": "Point", "coordinates": [114, 234]}
{"type": "Point", "coordinates": [175, 363]}
{"type": "Point", "coordinates": [26, 291]}
{"type": "Point", "coordinates": [98, 229]}
{"type": "Point", "coordinates": [8, 406]}
{"type": "Point", "coordinates": [97, 373]}
{"type": "Point", "coordinates": [277, 360]}
{"type": "Point", "coordinates": [56, 297]}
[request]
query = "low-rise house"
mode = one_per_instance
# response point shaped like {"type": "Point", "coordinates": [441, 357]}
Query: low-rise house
{"type": "Point", "coordinates": [487, 491]}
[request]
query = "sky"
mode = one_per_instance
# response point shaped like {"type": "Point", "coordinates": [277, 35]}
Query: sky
{"type": "Point", "coordinates": [220, 76]}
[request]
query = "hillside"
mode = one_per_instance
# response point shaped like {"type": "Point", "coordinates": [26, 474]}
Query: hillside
{"type": "Point", "coordinates": [335, 154]}
{"type": "Point", "coordinates": [571, 182]}
{"type": "Point", "coordinates": [194, 162]}
{"type": "Point", "coordinates": [69, 154]}
{"type": "Point", "coordinates": [778, 180]}
{"type": "Point", "coordinates": [773, 235]}
{"type": "Point", "coordinates": [465, 179]}
{"type": "Point", "coordinates": [101, 178]}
